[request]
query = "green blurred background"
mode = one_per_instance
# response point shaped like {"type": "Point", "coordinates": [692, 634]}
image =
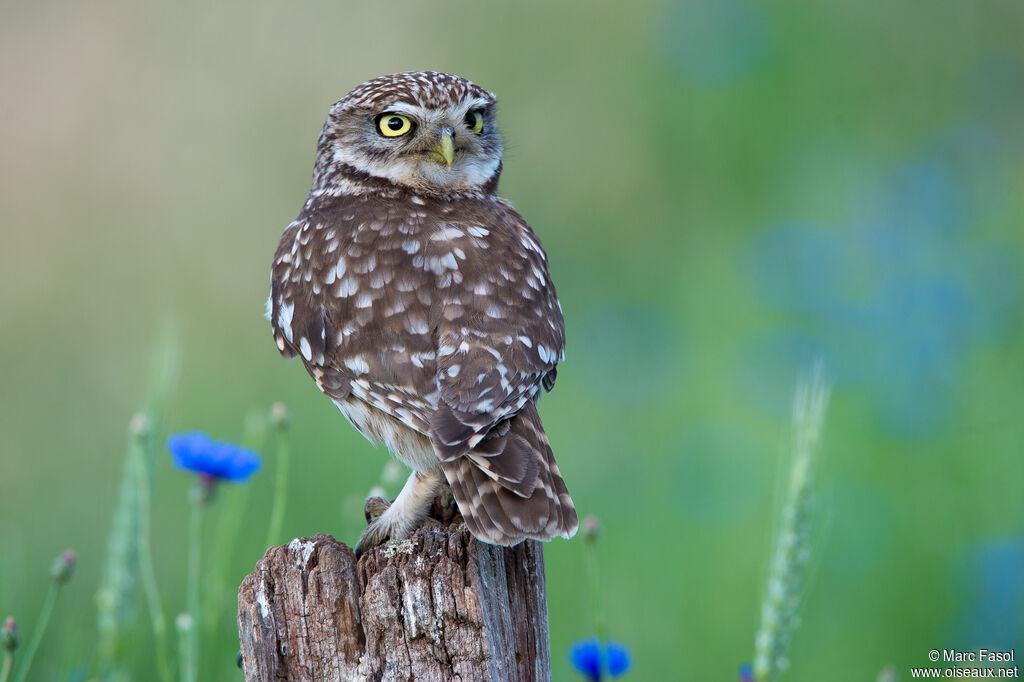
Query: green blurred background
{"type": "Point", "coordinates": [726, 190]}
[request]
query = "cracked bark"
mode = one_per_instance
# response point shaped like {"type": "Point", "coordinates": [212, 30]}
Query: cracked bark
{"type": "Point", "coordinates": [439, 606]}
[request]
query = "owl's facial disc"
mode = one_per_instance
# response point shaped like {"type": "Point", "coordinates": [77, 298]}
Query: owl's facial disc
{"type": "Point", "coordinates": [450, 147]}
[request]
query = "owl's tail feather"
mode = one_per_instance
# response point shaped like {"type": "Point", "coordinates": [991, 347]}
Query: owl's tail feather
{"type": "Point", "coordinates": [508, 488]}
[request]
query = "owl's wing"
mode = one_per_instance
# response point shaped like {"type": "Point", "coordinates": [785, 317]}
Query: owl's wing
{"type": "Point", "coordinates": [347, 297]}
{"type": "Point", "coordinates": [500, 338]}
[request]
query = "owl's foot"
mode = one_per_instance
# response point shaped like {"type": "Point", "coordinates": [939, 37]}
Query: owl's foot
{"type": "Point", "coordinates": [396, 520]}
{"type": "Point", "coordinates": [375, 507]}
{"type": "Point", "coordinates": [375, 534]}
{"type": "Point", "coordinates": [382, 530]}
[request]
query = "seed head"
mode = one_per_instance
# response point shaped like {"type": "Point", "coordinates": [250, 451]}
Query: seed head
{"type": "Point", "coordinates": [139, 426]}
{"type": "Point", "coordinates": [9, 636]}
{"type": "Point", "coordinates": [184, 622]}
{"type": "Point", "coordinates": [63, 567]}
{"type": "Point", "coordinates": [279, 415]}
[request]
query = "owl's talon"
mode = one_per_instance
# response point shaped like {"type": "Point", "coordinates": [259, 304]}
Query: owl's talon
{"type": "Point", "coordinates": [375, 508]}
{"type": "Point", "coordinates": [376, 533]}
{"type": "Point", "coordinates": [380, 532]}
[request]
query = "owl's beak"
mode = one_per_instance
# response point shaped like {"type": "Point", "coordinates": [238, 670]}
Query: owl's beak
{"type": "Point", "coordinates": [444, 151]}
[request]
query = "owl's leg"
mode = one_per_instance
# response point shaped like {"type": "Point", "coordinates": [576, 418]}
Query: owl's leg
{"type": "Point", "coordinates": [405, 514]}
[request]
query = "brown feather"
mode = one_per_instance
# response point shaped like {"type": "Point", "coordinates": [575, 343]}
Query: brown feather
{"type": "Point", "coordinates": [494, 510]}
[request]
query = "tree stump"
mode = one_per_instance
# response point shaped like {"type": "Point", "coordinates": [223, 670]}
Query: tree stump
{"type": "Point", "coordinates": [438, 606]}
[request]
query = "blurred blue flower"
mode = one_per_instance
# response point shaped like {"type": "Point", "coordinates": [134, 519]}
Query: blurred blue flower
{"type": "Point", "coordinates": [894, 298]}
{"type": "Point", "coordinates": [212, 459]}
{"type": "Point", "coordinates": [618, 659]}
{"type": "Point", "coordinates": [586, 658]}
{"type": "Point", "coordinates": [746, 673]}
{"type": "Point", "coordinates": [591, 659]}
{"type": "Point", "coordinates": [992, 582]}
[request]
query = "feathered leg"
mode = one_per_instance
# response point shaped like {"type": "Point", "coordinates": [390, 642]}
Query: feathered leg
{"type": "Point", "coordinates": [405, 514]}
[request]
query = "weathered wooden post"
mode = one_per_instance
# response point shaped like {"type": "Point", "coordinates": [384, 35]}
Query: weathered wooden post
{"type": "Point", "coordinates": [438, 606]}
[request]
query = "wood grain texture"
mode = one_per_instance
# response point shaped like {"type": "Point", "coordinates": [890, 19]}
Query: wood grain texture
{"type": "Point", "coordinates": [438, 606]}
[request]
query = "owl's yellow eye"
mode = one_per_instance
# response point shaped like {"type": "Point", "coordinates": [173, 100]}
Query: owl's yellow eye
{"type": "Point", "coordinates": [393, 125]}
{"type": "Point", "coordinates": [475, 121]}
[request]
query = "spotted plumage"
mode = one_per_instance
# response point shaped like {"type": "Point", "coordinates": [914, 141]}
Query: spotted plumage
{"type": "Point", "coordinates": [422, 305]}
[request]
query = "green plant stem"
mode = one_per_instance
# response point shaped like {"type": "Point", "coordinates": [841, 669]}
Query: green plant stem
{"type": "Point", "coordinates": [600, 628]}
{"type": "Point", "coordinates": [191, 644]}
{"type": "Point", "coordinates": [219, 586]}
{"type": "Point", "coordinates": [280, 486]}
{"type": "Point", "coordinates": [5, 671]}
{"type": "Point", "coordinates": [37, 635]}
{"type": "Point", "coordinates": [148, 575]}
{"type": "Point", "coordinates": [185, 629]}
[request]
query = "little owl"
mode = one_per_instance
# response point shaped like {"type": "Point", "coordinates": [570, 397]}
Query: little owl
{"type": "Point", "coordinates": [420, 303]}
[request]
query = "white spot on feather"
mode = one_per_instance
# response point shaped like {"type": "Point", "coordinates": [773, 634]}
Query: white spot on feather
{"type": "Point", "coordinates": [529, 244]}
{"type": "Point", "coordinates": [539, 275]}
{"type": "Point", "coordinates": [446, 234]}
{"type": "Point", "coordinates": [284, 318]}
{"type": "Point", "coordinates": [419, 358]}
{"type": "Point", "coordinates": [357, 364]}
{"type": "Point", "coordinates": [545, 354]}
{"type": "Point", "coordinates": [347, 287]}
{"type": "Point", "coordinates": [439, 264]}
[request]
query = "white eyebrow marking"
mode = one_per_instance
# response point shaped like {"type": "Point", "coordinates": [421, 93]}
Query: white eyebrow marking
{"type": "Point", "coordinates": [479, 103]}
{"type": "Point", "coordinates": [406, 108]}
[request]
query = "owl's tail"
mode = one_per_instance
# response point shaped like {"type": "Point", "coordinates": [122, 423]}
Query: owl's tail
{"type": "Point", "coordinates": [508, 487]}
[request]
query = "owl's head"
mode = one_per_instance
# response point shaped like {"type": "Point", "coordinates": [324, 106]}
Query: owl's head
{"type": "Point", "coordinates": [425, 131]}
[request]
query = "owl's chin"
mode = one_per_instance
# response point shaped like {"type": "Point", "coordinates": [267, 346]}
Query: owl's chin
{"type": "Point", "coordinates": [466, 173]}
{"type": "Point", "coordinates": [437, 174]}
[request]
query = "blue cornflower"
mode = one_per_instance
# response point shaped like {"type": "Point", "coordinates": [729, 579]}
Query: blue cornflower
{"type": "Point", "coordinates": [586, 658]}
{"type": "Point", "coordinates": [212, 460]}
{"type": "Point", "coordinates": [618, 659]}
{"type": "Point", "coordinates": [591, 659]}
{"type": "Point", "coordinates": [746, 673]}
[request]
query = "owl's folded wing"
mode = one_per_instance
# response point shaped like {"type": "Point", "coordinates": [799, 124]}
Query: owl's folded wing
{"type": "Point", "coordinates": [503, 344]}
